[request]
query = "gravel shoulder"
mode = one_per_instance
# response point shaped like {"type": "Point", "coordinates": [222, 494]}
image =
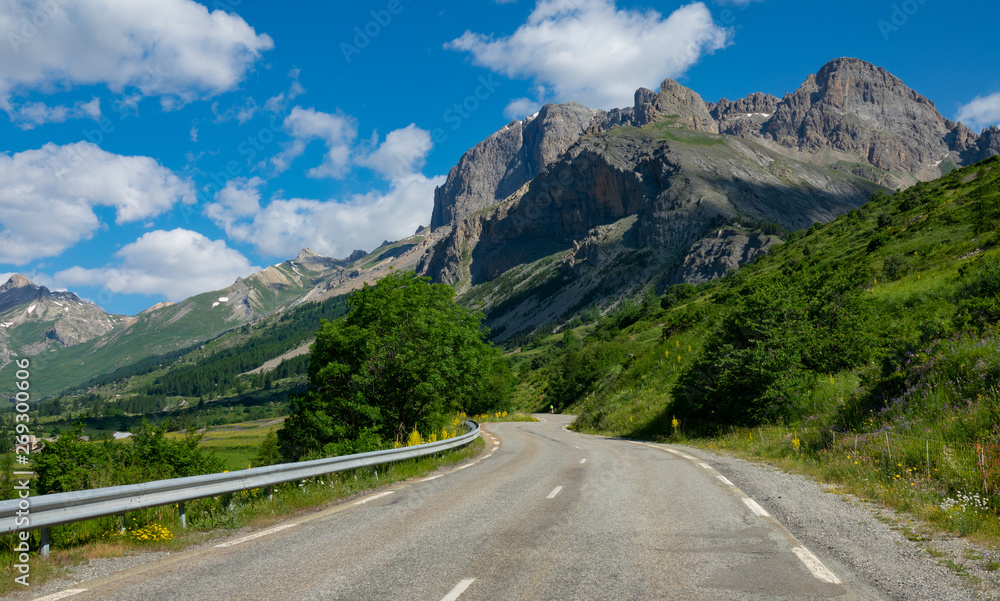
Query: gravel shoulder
{"type": "Point", "coordinates": [891, 551]}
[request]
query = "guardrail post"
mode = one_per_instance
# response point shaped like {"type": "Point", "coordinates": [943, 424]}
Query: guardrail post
{"type": "Point", "coordinates": [44, 547]}
{"type": "Point", "coordinates": [183, 514]}
{"type": "Point", "coordinates": [269, 493]}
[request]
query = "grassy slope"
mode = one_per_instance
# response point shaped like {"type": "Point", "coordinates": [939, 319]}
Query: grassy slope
{"type": "Point", "coordinates": [915, 276]}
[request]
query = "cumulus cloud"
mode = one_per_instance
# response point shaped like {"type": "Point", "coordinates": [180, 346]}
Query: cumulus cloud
{"type": "Point", "coordinates": [239, 199]}
{"type": "Point", "coordinates": [402, 153]}
{"type": "Point", "coordinates": [175, 49]}
{"type": "Point", "coordinates": [30, 116]}
{"type": "Point", "coordinates": [336, 227]}
{"type": "Point", "coordinates": [176, 264]}
{"type": "Point", "coordinates": [589, 51]}
{"type": "Point", "coordinates": [981, 112]}
{"type": "Point", "coordinates": [48, 196]}
{"type": "Point", "coordinates": [337, 131]}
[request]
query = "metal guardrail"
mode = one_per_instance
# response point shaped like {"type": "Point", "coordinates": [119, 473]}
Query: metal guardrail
{"type": "Point", "coordinates": [45, 511]}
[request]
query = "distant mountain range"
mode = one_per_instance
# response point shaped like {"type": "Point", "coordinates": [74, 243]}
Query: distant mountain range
{"type": "Point", "coordinates": [568, 210]}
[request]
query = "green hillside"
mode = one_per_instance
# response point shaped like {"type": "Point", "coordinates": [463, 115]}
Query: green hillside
{"type": "Point", "coordinates": [864, 299]}
{"type": "Point", "coordinates": [866, 349]}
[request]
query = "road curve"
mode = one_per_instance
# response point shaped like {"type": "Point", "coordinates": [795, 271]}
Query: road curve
{"type": "Point", "coordinates": [543, 513]}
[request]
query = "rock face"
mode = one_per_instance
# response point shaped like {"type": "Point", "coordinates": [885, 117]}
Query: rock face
{"type": "Point", "coordinates": [988, 144]}
{"type": "Point", "coordinates": [678, 184]}
{"type": "Point", "coordinates": [499, 165]}
{"type": "Point", "coordinates": [683, 106]}
{"type": "Point", "coordinates": [746, 116]}
{"type": "Point", "coordinates": [721, 252]}
{"type": "Point", "coordinates": [862, 110]}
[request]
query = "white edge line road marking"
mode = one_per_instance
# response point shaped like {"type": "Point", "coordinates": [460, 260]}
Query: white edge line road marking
{"type": "Point", "coordinates": [813, 563]}
{"type": "Point", "coordinates": [428, 479]}
{"type": "Point", "coordinates": [255, 535]}
{"type": "Point", "coordinates": [555, 492]}
{"type": "Point", "coordinates": [378, 496]}
{"type": "Point", "coordinates": [458, 590]}
{"type": "Point", "coordinates": [815, 566]}
{"type": "Point", "coordinates": [754, 507]}
{"type": "Point", "coordinates": [62, 594]}
{"type": "Point", "coordinates": [584, 460]}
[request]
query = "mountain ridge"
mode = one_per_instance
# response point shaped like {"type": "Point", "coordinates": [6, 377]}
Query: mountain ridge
{"type": "Point", "coordinates": [576, 208]}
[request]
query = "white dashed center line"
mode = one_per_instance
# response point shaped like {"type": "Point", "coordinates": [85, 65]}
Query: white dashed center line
{"type": "Point", "coordinates": [62, 594]}
{"type": "Point", "coordinates": [378, 496]}
{"type": "Point", "coordinates": [253, 536]}
{"type": "Point", "coordinates": [584, 460]}
{"type": "Point", "coordinates": [555, 492]}
{"type": "Point", "coordinates": [458, 590]}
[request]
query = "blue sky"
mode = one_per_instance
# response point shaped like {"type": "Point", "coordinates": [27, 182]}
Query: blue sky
{"type": "Point", "coordinates": [154, 149]}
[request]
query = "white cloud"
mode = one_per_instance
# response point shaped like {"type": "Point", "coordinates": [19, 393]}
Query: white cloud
{"type": "Point", "coordinates": [333, 228]}
{"type": "Point", "coordinates": [277, 104]}
{"type": "Point", "coordinates": [402, 153]}
{"type": "Point", "coordinates": [519, 108]}
{"type": "Point", "coordinates": [177, 264]}
{"type": "Point", "coordinates": [176, 49]}
{"type": "Point", "coordinates": [240, 112]}
{"type": "Point", "coordinates": [589, 51]}
{"type": "Point", "coordinates": [30, 116]}
{"type": "Point", "coordinates": [981, 112]}
{"type": "Point", "coordinates": [48, 196]}
{"type": "Point", "coordinates": [239, 199]}
{"type": "Point", "coordinates": [337, 227]}
{"type": "Point", "coordinates": [337, 131]}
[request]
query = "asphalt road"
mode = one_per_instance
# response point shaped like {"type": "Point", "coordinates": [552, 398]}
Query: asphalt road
{"type": "Point", "coordinates": [543, 513]}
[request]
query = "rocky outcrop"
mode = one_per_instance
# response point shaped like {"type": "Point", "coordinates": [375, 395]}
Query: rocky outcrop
{"type": "Point", "coordinates": [988, 145]}
{"type": "Point", "coordinates": [678, 187]}
{"type": "Point", "coordinates": [721, 252]}
{"type": "Point", "coordinates": [744, 117]}
{"type": "Point", "coordinates": [682, 106]}
{"type": "Point", "coordinates": [502, 163]}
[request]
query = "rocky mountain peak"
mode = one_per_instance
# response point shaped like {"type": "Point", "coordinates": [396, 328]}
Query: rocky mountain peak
{"type": "Point", "coordinates": [314, 261]}
{"type": "Point", "coordinates": [17, 281]}
{"type": "Point", "coordinates": [306, 254]}
{"type": "Point", "coordinates": [676, 101]}
{"type": "Point", "coordinates": [859, 109]}
{"type": "Point", "coordinates": [505, 161]}
{"type": "Point", "coordinates": [17, 291]}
